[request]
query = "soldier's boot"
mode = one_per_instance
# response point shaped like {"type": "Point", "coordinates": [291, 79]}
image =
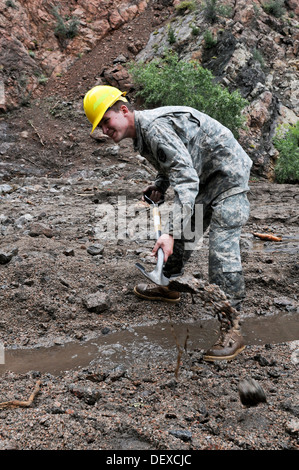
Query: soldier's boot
{"type": "Point", "coordinates": [163, 294]}
{"type": "Point", "coordinates": [229, 344]}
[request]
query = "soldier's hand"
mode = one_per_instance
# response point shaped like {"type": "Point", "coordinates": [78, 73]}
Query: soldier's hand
{"type": "Point", "coordinates": [153, 193]}
{"type": "Point", "coordinates": [166, 243]}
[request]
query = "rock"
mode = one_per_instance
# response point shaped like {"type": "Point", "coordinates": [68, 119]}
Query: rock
{"type": "Point", "coordinates": [119, 77]}
{"type": "Point", "coordinates": [291, 406]}
{"type": "Point", "coordinates": [5, 188]}
{"type": "Point", "coordinates": [98, 302]}
{"type": "Point", "coordinates": [117, 373]}
{"type": "Point", "coordinates": [182, 434]}
{"type": "Point", "coordinates": [95, 250]}
{"type": "Point", "coordinates": [105, 330]}
{"type": "Point", "coordinates": [8, 445]}
{"type": "Point", "coordinates": [294, 346]}
{"type": "Point", "coordinates": [6, 256]}
{"type": "Point", "coordinates": [292, 427]}
{"type": "Point", "coordinates": [39, 229]}
{"type": "Point", "coordinates": [251, 393]}
{"type": "Point", "coordinates": [295, 357]}
{"type": "Point", "coordinates": [121, 59]}
{"type": "Point", "coordinates": [283, 302]}
{"type": "Point", "coordinates": [24, 219]}
{"type": "Point", "coordinates": [88, 394]}
{"type": "Point", "coordinates": [259, 110]}
{"type": "Point", "coordinates": [69, 252]}
{"type": "Point", "coordinates": [2, 97]}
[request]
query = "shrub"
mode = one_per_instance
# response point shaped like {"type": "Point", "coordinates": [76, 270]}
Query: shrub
{"type": "Point", "coordinates": [195, 30]}
{"type": "Point", "coordinates": [212, 10]}
{"type": "Point", "coordinates": [209, 39]}
{"type": "Point", "coordinates": [274, 7]}
{"type": "Point", "coordinates": [67, 30]}
{"type": "Point", "coordinates": [287, 143]}
{"type": "Point", "coordinates": [171, 36]}
{"type": "Point", "coordinates": [184, 6]}
{"type": "Point", "coordinates": [10, 4]}
{"type": "Point", "coordinates": [171, 82]}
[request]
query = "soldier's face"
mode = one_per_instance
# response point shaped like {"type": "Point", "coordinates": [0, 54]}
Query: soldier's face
{"type": "Point", "coordinates": [116, 124]}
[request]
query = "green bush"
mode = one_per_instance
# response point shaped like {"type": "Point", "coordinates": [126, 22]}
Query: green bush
{"type": "Point", "coordinates": [65, 30]}
{"type": "Point", "coordinates": [274, 7]}
{"type": "Point", "coordinates": [212, 10]}
{"type": "Point", "coordinates": [171, 36]}
{"type": "Point", "coordinates": [10, 4]}
{"type": "Point", "coordinates": [171, 82]}
{"type": "Point", "coordinates": [209, 39]}
{"type": "Point", "coordinates": [287, 143]}
{"type": "Point", "coordinates": [195, 30]}
{"type": "Point", "coordinates": [184, 6]}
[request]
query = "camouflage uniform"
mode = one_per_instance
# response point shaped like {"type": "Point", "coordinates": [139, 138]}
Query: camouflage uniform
{"type": "Point", "coordinates": [204, 164]}
{"type": "Point", "coordinates": [225, 219]}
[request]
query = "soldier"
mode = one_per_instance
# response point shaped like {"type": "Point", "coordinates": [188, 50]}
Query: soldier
{"type": "Point", "coordinates": [204, 164]}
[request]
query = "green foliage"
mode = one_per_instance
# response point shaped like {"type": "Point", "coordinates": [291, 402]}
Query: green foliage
{"type": "Point", "coordinates": [212, 10]}
{"type": "Point", "coordinates": [287, 143]}
{"type": "Point", "coordinates": [42, 79]}
{"type": "Point", "coordinates": [195, 30]}
{"type": "Point", "coordinates": [65, 30]}
{"type": "Point", "coordinates": [274, 7]}
{"type": "Point", "coordinates": [209, 39]}
{"type": "Point", "coordinates": [173, 82]}
{"type": "Point", "coordinates": [171, 35]}
{"type": "Point", "coordinates": [258, 57]}
{"type": "Point", "coordinates": [10, 4]}
{"type": "Point", "coordinates": [185, 6]}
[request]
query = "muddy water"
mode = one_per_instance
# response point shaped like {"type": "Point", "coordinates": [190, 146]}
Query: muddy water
{"type": "Point", "coordinates": [155, 343]}
{"type": "Point", "coordinates": [146, 344]}
{"type": "Point", "coordinates": [288, 244]}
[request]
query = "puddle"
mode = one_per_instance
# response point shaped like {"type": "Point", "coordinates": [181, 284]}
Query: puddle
{"type": "Point", "coordinates": [289, 244]}
{"type": "Point", "coordinates": [146, 344]}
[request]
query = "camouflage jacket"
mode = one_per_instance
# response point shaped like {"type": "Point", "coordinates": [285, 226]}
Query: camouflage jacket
{"type": "Point", "coordinates": [195, 154]}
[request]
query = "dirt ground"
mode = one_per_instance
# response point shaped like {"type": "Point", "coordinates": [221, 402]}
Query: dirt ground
{"type": "Point", "coordinates": [61, 284]}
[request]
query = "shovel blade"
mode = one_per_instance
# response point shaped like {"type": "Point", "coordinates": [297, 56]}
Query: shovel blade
{"type": "Point", "coordinates": [153, 276]}
{"type": "Point", "coordinates": [156, 276]}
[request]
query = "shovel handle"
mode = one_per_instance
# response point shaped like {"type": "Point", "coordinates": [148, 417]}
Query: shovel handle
{"type": "Point", "coordinates": [157, 222]}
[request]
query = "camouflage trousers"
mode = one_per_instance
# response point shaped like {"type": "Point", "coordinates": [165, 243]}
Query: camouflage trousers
{"type": "Point", "coordinates": [225, 220]}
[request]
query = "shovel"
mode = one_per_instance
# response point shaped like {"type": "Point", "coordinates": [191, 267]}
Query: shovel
{"type": "Point", "coordinates": [156, 275]}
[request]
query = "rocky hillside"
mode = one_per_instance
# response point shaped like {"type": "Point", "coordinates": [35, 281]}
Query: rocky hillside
{"type": "Point", "coordinates": [67, 47]}
{"type": "Point", "coordinates": [252, 51]}
{"type": "Point", "coordinates": [42, 39]}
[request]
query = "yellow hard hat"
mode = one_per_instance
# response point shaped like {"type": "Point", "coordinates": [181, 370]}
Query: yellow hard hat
{"type": "Point", "coordinates": [98, 100]}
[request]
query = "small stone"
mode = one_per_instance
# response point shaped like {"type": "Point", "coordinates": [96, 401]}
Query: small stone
{"type": "Point", "coordinates": [292, 427]}
{"type": "Point", "coordinates": [69, 252]}
{"type": "Point", "coordinates": [182, 434]}
{"type": "Point", "coordinates": [294, 346]}
{"type": "Point", "coordinates": [39, 229]}
{"type": "Point", "coordinates": [5, 188]}
{"type": "Point", "coordinates": [88, 394]}
{"type": "Point", "coordinates": [95, 250]}
{"type": "Point", "coordinates": [6, 256]}
{"type": "Point", "coordinates": [105, 330]}
{"type": "Point", "coordinates": [282, 302]}
{"type": "Point", "coordinates": [251, 393]}
{"type": "Point", "coordinates": [98, 302]}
